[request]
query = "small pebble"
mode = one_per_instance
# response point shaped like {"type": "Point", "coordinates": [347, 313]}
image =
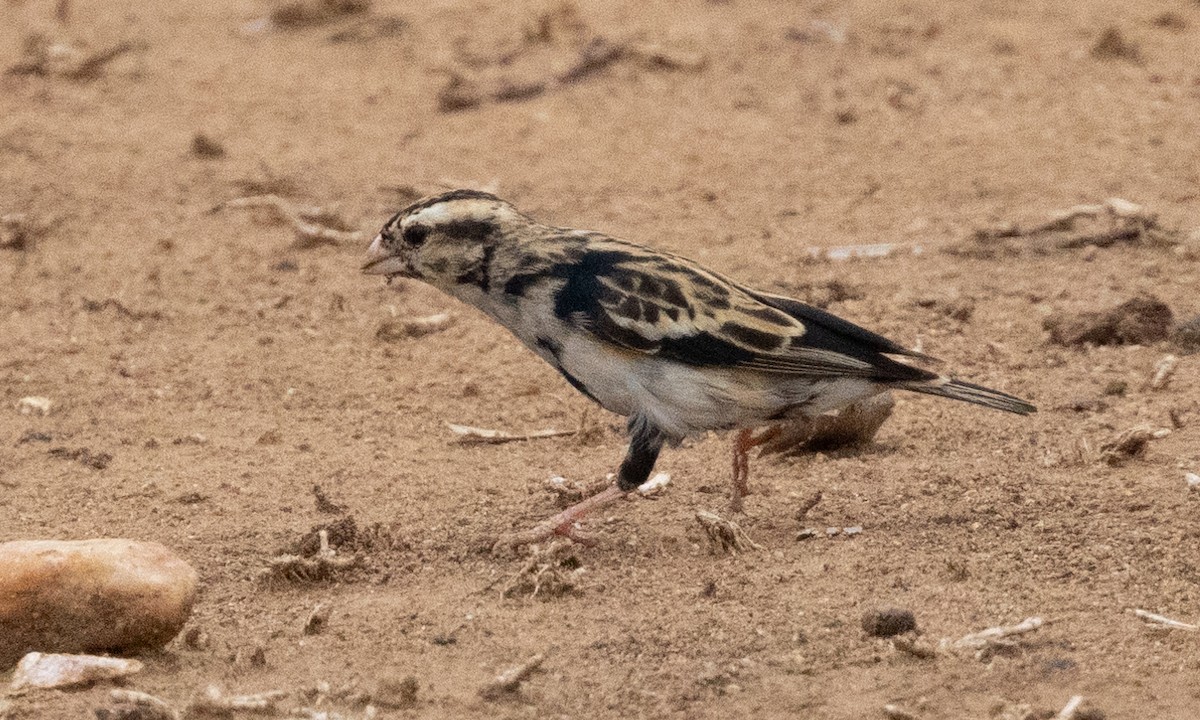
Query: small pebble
{"type": "Point", "coordinates": [1192, 480]}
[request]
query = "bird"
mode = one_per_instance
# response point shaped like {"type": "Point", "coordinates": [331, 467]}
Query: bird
{"type": "Point", "coordinates": [676, 348]}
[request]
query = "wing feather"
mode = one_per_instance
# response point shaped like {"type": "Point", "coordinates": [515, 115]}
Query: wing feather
{"type": "Point", "coordinates": [668, 307]}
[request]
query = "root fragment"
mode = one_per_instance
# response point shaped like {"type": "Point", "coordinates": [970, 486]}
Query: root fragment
{"type": "Point", "coordinates": [549, 572]}
{"type": "Point", "coordinates": [510, 680]}
{"type": "Point", "coordinates": [214, 701]}
{"type": "Point", "coordinates": [1164, 621]}
{"type": "Point", "coordinates": [724, 536]}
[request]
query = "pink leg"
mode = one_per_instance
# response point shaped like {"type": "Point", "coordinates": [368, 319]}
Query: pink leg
{"type": "Point", "coordinates": [746, 441]}
{"type": "Point", "coordinates": [564, 522]}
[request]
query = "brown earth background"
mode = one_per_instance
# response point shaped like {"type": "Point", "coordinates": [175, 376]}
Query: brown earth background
{"type": "Point", "coordinates": [236, 368]}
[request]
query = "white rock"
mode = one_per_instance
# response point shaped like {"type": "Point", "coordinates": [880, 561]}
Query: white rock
{"type": "Point", "coordinates": [48, 670]}
{"type": "Point", "coordinates": [104, 595]}
{"type": "Point", "coordinates": [34, 404]}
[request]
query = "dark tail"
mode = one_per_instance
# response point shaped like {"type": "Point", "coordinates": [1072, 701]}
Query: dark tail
{"type": "Point", "coordinates": [972, 393]}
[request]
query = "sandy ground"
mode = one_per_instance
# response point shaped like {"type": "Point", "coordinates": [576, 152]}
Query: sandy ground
{"type": "Point", "coordinates": [236, 369]}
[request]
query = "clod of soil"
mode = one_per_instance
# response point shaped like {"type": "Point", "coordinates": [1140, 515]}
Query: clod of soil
{"type": "Point", "coordinates": [204, 146]}
{"type": "Point", "coordinates": [1144, 319]}
{"type": "Point", "coordinates": [888, 622]}
{"type": "Point", "coordinates": [1187, 336]}
{"type": "Point", "coordinates": [396, 692]}
{"type": "Point", "coordinates": [1113, 45]}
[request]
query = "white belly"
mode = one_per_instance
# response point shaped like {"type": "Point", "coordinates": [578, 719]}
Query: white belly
{"type": "Point", "coordinates": [684, 400]}
{"type": "Point", "coordinates": [680, 400]}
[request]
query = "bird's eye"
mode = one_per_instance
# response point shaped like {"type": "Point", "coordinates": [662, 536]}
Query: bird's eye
{"type": "Point", "coordinates": [414, 236]}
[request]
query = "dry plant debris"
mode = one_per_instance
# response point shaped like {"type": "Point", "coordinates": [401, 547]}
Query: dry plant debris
{"type": "Point", "coordinates": [135, 705]}
{"type": "Point", "coordinates": [1163, 621]}
{"type": "Point", "coordinates": [724, 536]}
{"type": "Point", "coordinates": [83, 456]}
{"type": "Point", "coordinates": [806, 505]}
{"type": "Point", "coordinates": [1071, 709]}
{"type": "Point", "coordinates": [552, 571]}
{"type": "Point", "coordinates": [509, 681]}
{"type": "Point", "coordinates": [325, 564]}
{"type": "Point", "coordinates": [559, 29]}
{"type": "Point", "coordinates": [1138, 321]}
{"type": "Point", "coordinates": [1130, 444]}
{"type": "Point", "coordinates": [1164, 370]}
{"type": "Point", "coordinates": [855, 424]}
{"type": "Point", "coordinates": [1101, 225]}
{"type": "Point", "coordinates": [394, 329]}
{"type": "Point", "coordinates": [986, 642]}
{"type": "Point", "coordinates": [214, 702]}
{"type": "Point", "coordinates": [344, 534]}
{"type": "Point", "coordinates": [46, 57]}
{"type": "Point", "coordinates": [120, 308]}
{"type": "Point", "coordinates": [467, 435]}
{"type": "Point", "coordinates": [313, 225]}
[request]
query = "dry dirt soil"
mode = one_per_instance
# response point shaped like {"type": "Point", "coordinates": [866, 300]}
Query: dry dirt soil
{"type": "Point", "coordinates": [228, 368]}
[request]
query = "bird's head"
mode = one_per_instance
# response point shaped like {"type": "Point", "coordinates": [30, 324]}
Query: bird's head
{"type": "Point", "coordinates": [440, 239]}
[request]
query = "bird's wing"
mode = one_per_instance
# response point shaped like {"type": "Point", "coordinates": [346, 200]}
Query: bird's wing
{"type": "Point", "coordinates": [669, 307]}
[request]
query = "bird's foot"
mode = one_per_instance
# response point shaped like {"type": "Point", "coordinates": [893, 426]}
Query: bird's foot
{"type": "Point", "coordinates": [563, 524]}
{"type": "Point", "coordinates": [746, 441]}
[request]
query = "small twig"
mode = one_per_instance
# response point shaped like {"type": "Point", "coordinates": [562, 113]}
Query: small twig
{"type": "Point", "coordinates": [215, 702]}
{"type": "Point", "coordinates": [993, 635]}
{"type": "Point", "coordinates": [510, 680]}
{"type": "Point", "coordinates": [911, 646]}
{"type": "Point", "coordinates": [1164, 370]}
{"type": "Point", "coordinates": [150, 707]}
{"type": "Point", "coordinates": [1070, 709]}
{"type": "Point", "coordinates": [1164, 621]}
{"type": "Point", "coordinates": [987, 642]}
{"type": "Point", "coordinates": [468, 435]}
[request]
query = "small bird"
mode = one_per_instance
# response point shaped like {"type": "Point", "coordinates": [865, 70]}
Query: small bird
{"type": "Point", "coordinates": [676, 348]}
